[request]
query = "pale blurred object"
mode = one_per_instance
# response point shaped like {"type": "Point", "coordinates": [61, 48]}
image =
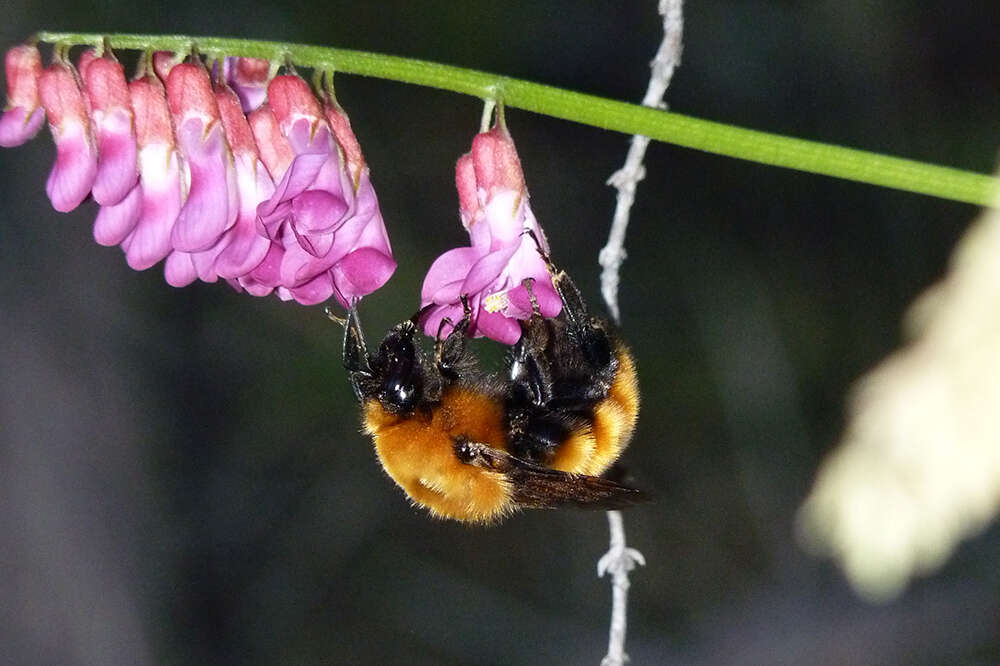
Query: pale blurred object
{"type": "Point", "coordinates": [918, 468]}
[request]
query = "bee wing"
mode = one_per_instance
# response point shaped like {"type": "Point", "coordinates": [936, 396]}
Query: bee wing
{"type": "Point", "coordinates": [537, 487]}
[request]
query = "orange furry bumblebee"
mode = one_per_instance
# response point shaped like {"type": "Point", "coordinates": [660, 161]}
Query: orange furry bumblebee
{"type": "Point", "coordinates": [475, 447]}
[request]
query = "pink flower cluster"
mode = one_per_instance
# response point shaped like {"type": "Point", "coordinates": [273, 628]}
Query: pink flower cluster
{"type": "Point", "coordinates": [504, 252]}
{"type": "Point", "coordinates": [236, 173]}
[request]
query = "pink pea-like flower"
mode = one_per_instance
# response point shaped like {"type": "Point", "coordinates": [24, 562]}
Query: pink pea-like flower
{"type": "Point", "coordinates": [160, 175]}
{"type": "Point", "coordinates": [75, 169]}
{"type": "Point", "coordinates": [493, 202]}
{"type": "Point", "coordinates": [238, 176]}
{"type": "Point", "coordinates": [211, 204]}
{"type": "Point", "coordinates": [24, 116]}
{"type": "Point", "coordinates": [116, 184]}
{"type": "Point", "coordinates": [332, 237]}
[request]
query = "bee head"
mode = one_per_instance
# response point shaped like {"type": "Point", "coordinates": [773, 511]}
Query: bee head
{"type": "Point", "coordinates": [394, 375]}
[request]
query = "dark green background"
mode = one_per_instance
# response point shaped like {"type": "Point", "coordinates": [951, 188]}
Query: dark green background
{"type": "Point", "coordinates": [181, 476]}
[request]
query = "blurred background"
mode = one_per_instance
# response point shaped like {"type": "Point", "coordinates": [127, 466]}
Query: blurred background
{"type": "Point", "coordinates": [181, 475]}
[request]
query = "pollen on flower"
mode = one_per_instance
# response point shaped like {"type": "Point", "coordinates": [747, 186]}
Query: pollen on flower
{"type": "Point", "coordinates": [224, 169]}
{"type": "Point", "coordinates": [496, 302]}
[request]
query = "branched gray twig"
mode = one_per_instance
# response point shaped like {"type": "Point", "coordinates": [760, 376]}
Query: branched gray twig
{"type": "Point", "coordinates": [620, 559]}
{"type": "Point", "coordinates": [625, 180]}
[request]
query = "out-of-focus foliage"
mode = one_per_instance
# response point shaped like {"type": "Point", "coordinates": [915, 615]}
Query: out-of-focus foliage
{"type": "Point", "coordinates": [919, 466]}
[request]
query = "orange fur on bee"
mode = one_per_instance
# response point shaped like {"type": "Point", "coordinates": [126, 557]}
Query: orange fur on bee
{"type": "Point", "coordinates": [417, 451]}
{"type": "Point", "coordinates": [592, 450]}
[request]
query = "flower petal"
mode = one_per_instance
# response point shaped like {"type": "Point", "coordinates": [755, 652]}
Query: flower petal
{"type": "Point", "coordinates": [73, 174]}
{"type": "Point", "coordinates": [116, 221]}
{"type": "Point", "coordinates": [485, 272]}
{"type": "Point", "coordinates": [206, 213]}
{"type": "Point", "coordinates": [161, 189]}
{"type": "Point", "coordinates": [179, 269]}
{"type": "Point", "coordinates": [497, 327]}
{"type": "Point", "coordinates": [361, 272]}
{"type": "Point", "coordinates": [23, 117]}
{"type": "Point", "coordinates": [111, 118]}
{"type": "Point", "coordinates": [18, 125]}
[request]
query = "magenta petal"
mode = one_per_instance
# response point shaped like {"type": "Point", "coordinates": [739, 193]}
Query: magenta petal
{"type": "Point", "coordinates": [116, 166]}
{"type": "Point", "coordinates": [318, 245]}
{"type": "Point", "coordinates": [268, 271]}
{"type": "Point", "coordinates": [316, 211]}
{"type": "Point", "coordinates": [549, 303]}
{"type": "Point", "coordinates": [73, 174]}
{"type": "Point", "coordinates": [18, 126]}
{"type": "Point", "coordinates": [179, 270]}
{"type": "Point", "coordinates": [245, 251]}
{"type": "Point", "coordinates": [488, 269]}
{"type": "Point", "coordinates": [432, 317]}
{"type": "Point", "coordinates": [450, 268]}
{"type": "Point", "coordinates": [297, 178]}
{"type": "Point", "coordinates": [361, 272]}
{"type": "Point", "coordinates": [317, 290]}
{"type": "Point", "coordinates": [206, 212]}
{"type": "Point", "coordinates": [497, 327]}
{"type": "Point", "coordinates": [116, 221]}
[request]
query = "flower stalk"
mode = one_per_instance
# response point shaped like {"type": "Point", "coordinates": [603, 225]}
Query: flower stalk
{"type": "Point", "coordinates": [689, 132]}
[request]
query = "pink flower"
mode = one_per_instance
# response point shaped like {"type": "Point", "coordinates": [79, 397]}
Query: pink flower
{"type": "Point", "coordinates": [279, 200]}
{"type": "Point", "coordinates": [493, 202]}
{"type": "Point", "coordinates": [111, 119]}
{"type": "Point", "coordinates": [160, 175]}
{"type": "Point", "coordinates": [327, 221]}
{"type": "Point", "coordinates": [116, 184]}
{"type": "Point", "coordinates": [24, 115]}
{"type": "Point", "coordinates": [211, 204]}
{"type": "Point", "coordinates": [75, 169]}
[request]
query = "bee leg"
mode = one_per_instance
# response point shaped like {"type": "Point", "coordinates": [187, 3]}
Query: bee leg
{"type": "Point", "coordinates": [355, 353]}
{"type": "Point", "coordinates": [449, 352]}
{"type": "Point", "coordinates": [527, 283]}
{"type": "Point", "coordinates": [588, 331]}
{"type": "Point", "coordinates": [573, 305]}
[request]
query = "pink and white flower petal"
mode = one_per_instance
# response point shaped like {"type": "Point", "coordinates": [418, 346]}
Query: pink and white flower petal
{"type": "Point", "coordinates": [111, 119]}
{"type": "Point", "coordinates": [211, 206]}
{"type": "Point", "coordinates": [246, 246]}
{"type": "Point", "coordinates": [243, 246]}
{"type": "Point", "coordinates": [161, 175]}
{"type": "Point", "coordinates": [23, 116]}
{"type": "Point", "coordinates": [75, 169]}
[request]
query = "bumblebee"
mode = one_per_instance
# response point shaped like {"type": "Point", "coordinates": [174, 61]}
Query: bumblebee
{"type": "Point", "coordinates": [475, 447]}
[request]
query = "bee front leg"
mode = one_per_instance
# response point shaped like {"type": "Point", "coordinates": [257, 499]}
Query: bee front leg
{"type": "Point", "coordinates": [355, 353]}
{"type": "Point", "coordinates": [449, 352]}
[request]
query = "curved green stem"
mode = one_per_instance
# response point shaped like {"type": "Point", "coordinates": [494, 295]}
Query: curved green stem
{"type": "Point", "coordinates": [848, 163]}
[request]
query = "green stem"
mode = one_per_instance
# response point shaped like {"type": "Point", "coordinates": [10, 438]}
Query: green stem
{"type": "Point", "coordinates": [848, 163]}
